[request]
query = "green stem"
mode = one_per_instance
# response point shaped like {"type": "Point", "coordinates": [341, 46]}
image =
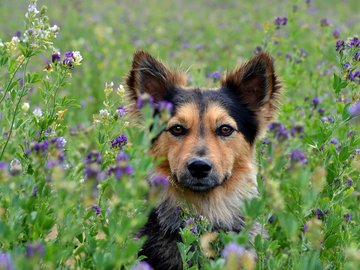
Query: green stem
{"type": "Point", "coordinates": [11, 79]}
{"type": "Point", "coordinates": [16, 110]}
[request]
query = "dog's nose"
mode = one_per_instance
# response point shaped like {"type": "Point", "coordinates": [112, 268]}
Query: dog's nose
{"type": "Point", "coordinates": [199, 167]}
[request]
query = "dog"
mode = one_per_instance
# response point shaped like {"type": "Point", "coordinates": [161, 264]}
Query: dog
{"type": "Point", "coordinates": [207, 149]}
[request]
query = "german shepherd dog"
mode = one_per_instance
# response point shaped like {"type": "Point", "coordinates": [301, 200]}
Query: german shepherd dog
{"type": "Point", "coordinates": [207, 149]}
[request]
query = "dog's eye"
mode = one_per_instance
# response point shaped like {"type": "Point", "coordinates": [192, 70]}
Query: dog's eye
{"type": "Point", "coordinates": [177, 130]}
{"type": "Point", "coordinates": [224, 130]}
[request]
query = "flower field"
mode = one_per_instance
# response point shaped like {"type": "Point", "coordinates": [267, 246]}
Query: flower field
{"type": "Point", "coordinates": [74, 161]}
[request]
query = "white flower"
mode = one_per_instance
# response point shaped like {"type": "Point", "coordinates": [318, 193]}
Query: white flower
{"type": "Point", "coordinates": [77, 57]}
{"type": "Point", "coordinates": [15, 39]}
{"type": "Point", "coordinates": [1, 44]}
{"type": "Point", "coordinates": [104, 114]}
{"type": "Point", "coordinates": [25, 107]}
{"type": "Point", "coordinates": [37, 112]}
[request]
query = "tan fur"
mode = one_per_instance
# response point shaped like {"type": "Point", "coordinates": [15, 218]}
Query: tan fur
{"type": "Point", "coordinates": [232, 155]}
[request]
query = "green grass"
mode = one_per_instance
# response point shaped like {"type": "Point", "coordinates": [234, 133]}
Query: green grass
{"type": "Point", "coordinates": [200, 37]}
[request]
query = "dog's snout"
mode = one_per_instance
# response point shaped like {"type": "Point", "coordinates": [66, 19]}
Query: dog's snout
{"type": "Point", "coordinates": [199, 167]}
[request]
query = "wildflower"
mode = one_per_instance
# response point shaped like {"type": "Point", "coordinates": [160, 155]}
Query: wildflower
{"type": "Point", "coordinates": [97, 209]}
{"type": "Point", "coordinates": [56, 57]}
{"type": "Point", "coordinates": [190, 223]}
{"type": "Point", "coordinates": [354, 110]}
{"type": "Point", "coordinates": [306, 227]}
{"type": "Point", "coordinates": [25, 107]}
{"type": "Point", "coordinates": [164, 106]}
{"type": "Point", "coordinates": [334, 141]}
{"type": "Point", "coordinates": [37, 112]}
{"type": "Point", "coordinates": [104, 115]}
{"type": "Point", "coordinates": [6, 262]}
{"type": "Point", "coordinates": [298, 156]}
{"type": "Point", "coordinates": [216, 76]}
{"type": "Point", "coordinates": [72, 58]}
{"type": "Point", "coordinates": [280, 21]}
{"type": "Point", "coordinates": [327, 119]}
{"type": "Point", "coordinates": [119, 141]}
{"type": "Point", "coordinates": [59, 142]}
{"type": "Point", "coordinates": [350, 182]}
{"type": "Point", "coordinates": [121, 110]}
{"type": "Point", "coordinates": [314, 232]}
{"type": "Point", "coordinates": [122, 167]}
{"type": "Point", "coordinates": [319, 213]}
{"type": "Point", "coordinates": [266, 141]}
{"type": "Point", "coordinates": [318, 178]}
{"type": "Point", "coordinates": [354, 76]}
{"type": "Point", "coordinates": [109, 87]}
{"type": "Point", "coordinates": [121, 91]}
{"type": "Point", "coordinates": [316, 101]}
{"type": "Point", "coordinates": [297, 130]}
{"type": "Point", "coordinates": [93, 157]}
{"type": "Point", "coordinates": [35, 249]}
{"type": "Point", "coordinates": [324, 22]}
{"type": "Point", "coordinates": [321, 110]}
{"type": "Point", "coordinates": [143, 100]}
{"type": "Point", "coordinates": [356, 56]}
{"type": "Point", "coordinates": [15, 167]}
{"type": "Point", "coordinates": [336, 33]}
{"type": "Point", "coordinates": [340, 45]}
{"type": "Point", "coordinates": [159, 180]}
{"type": "Point", "coordinates": [232, 248]}
{"type": "Point", "coordinates": [354, 42]}
{"type": "Point", "coordinates": [141, 266]}
{"type": "Point", "coordinates": [34, 191]}
{"type": "Point", "coordinates": [347, 217]}
{"type": "Point", "coordinates": [273, 190]}
{"type": "Point", "coordinates": [347, 66]}
{"type": "Point", "coordinates": [271, 219]}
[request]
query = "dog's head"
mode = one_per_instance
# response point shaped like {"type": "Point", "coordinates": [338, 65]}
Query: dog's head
{"type": "Point", "coordinates": [209, 139]}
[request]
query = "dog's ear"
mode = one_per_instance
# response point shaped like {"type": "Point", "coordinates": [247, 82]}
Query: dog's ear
{"type": "Point", "coordinates": [150, 76]}
{"type": "Point", "coordinates": [256, 86]}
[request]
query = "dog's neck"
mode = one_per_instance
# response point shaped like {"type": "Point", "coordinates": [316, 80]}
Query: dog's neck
{"type": "Point", "coordinates": [221, 206]}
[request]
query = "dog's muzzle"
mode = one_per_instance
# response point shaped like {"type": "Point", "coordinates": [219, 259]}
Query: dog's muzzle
{"type": "Point", "coordinates": [199, 175]}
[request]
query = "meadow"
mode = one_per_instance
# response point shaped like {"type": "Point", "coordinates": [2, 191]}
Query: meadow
{"type": "Point", "coordinates": [73, 161]}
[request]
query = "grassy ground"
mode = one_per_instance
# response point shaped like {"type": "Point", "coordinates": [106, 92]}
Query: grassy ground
{"type": "Point", "coordinates": [312, 205]}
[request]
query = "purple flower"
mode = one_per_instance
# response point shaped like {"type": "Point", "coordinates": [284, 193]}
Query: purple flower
{"type": "Point", "coordinates": [93, 157]}
{"type": "Point", "coordinates": [216, 75]}
{"type": "Point", "coordinates": [354, 76]}
{"type": "Point", "coordinates": [324, 22]}
{"type": "Point", "coordinates": [119, 141]}
{"type": "Point", "coordinates": [142, 101]}
{"type": "Point", "coordinates": [190, 222]}
{"type": "Point", "coordinates": [316, 101]}
{"type": "Point", "coordinates": [122, 167]}
{"type": "Point", "coordinates": [297, 130]}
{"type": "Point", "coordinates": [356, 56]}
{"type": "Point", "coordinates": [271, 219]}
{"type": "Point", "coordinates": [56, 57]}
{"type": "Point", "coordinates": [232, 248]}
{"type": "Point", "coordinates": [336, 33]}
{"type": "Point", "coordinates": [69, 59]}
{"type": "Point", "coordinates": [97, 209]}
{"type": "Point", "coordinates": [93, 171]}
{"type": "Point", "coordinates": [164, 106]}
{"type": "Point", "coordinates": [354, 42]}
{"type": "Point", "coordinates": [334, 141]}
{"type": "Point", "coordinates": [321, 111]}
{"type": "Point", "coordinates": [266, 141]}
{"type": "Point", "coordinates": [15, 167]}
{"type": "Point", "coordinates": [159, 180]}
{"type": "Point", "coordinates": [347, 217]}
{"type": "Point", "coordinates": [350, 182]}
{"type": "Point", "coordinates": [34, 191]}
{"type": "Point", "coordinates": [121, 110]}
{"type": "Point", "coordinates": [142, 266]}
{"type": "Point", "coordinates": [3, 166]}
{"type": "Point", "coordinates": [6, 262]}
{"type": "Point", "coordinates": [327, 119]}
{"type": "Point", "coordinates": [319, 213]}
{"type": "Point", "coordinates": [35, 249]}
{"type": "Point", "coordinates": [340, 45]}
{"type": "Point", "coordinates": [282, 133]}
{"type": "Point", "coordinates": [280, 21]}
{"type": "Point", "coordinates": [306, 227]}
{"type": "Point", "coordinates": [298, 156]}
{"type": "Point", "coordinates": [347, 66]}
